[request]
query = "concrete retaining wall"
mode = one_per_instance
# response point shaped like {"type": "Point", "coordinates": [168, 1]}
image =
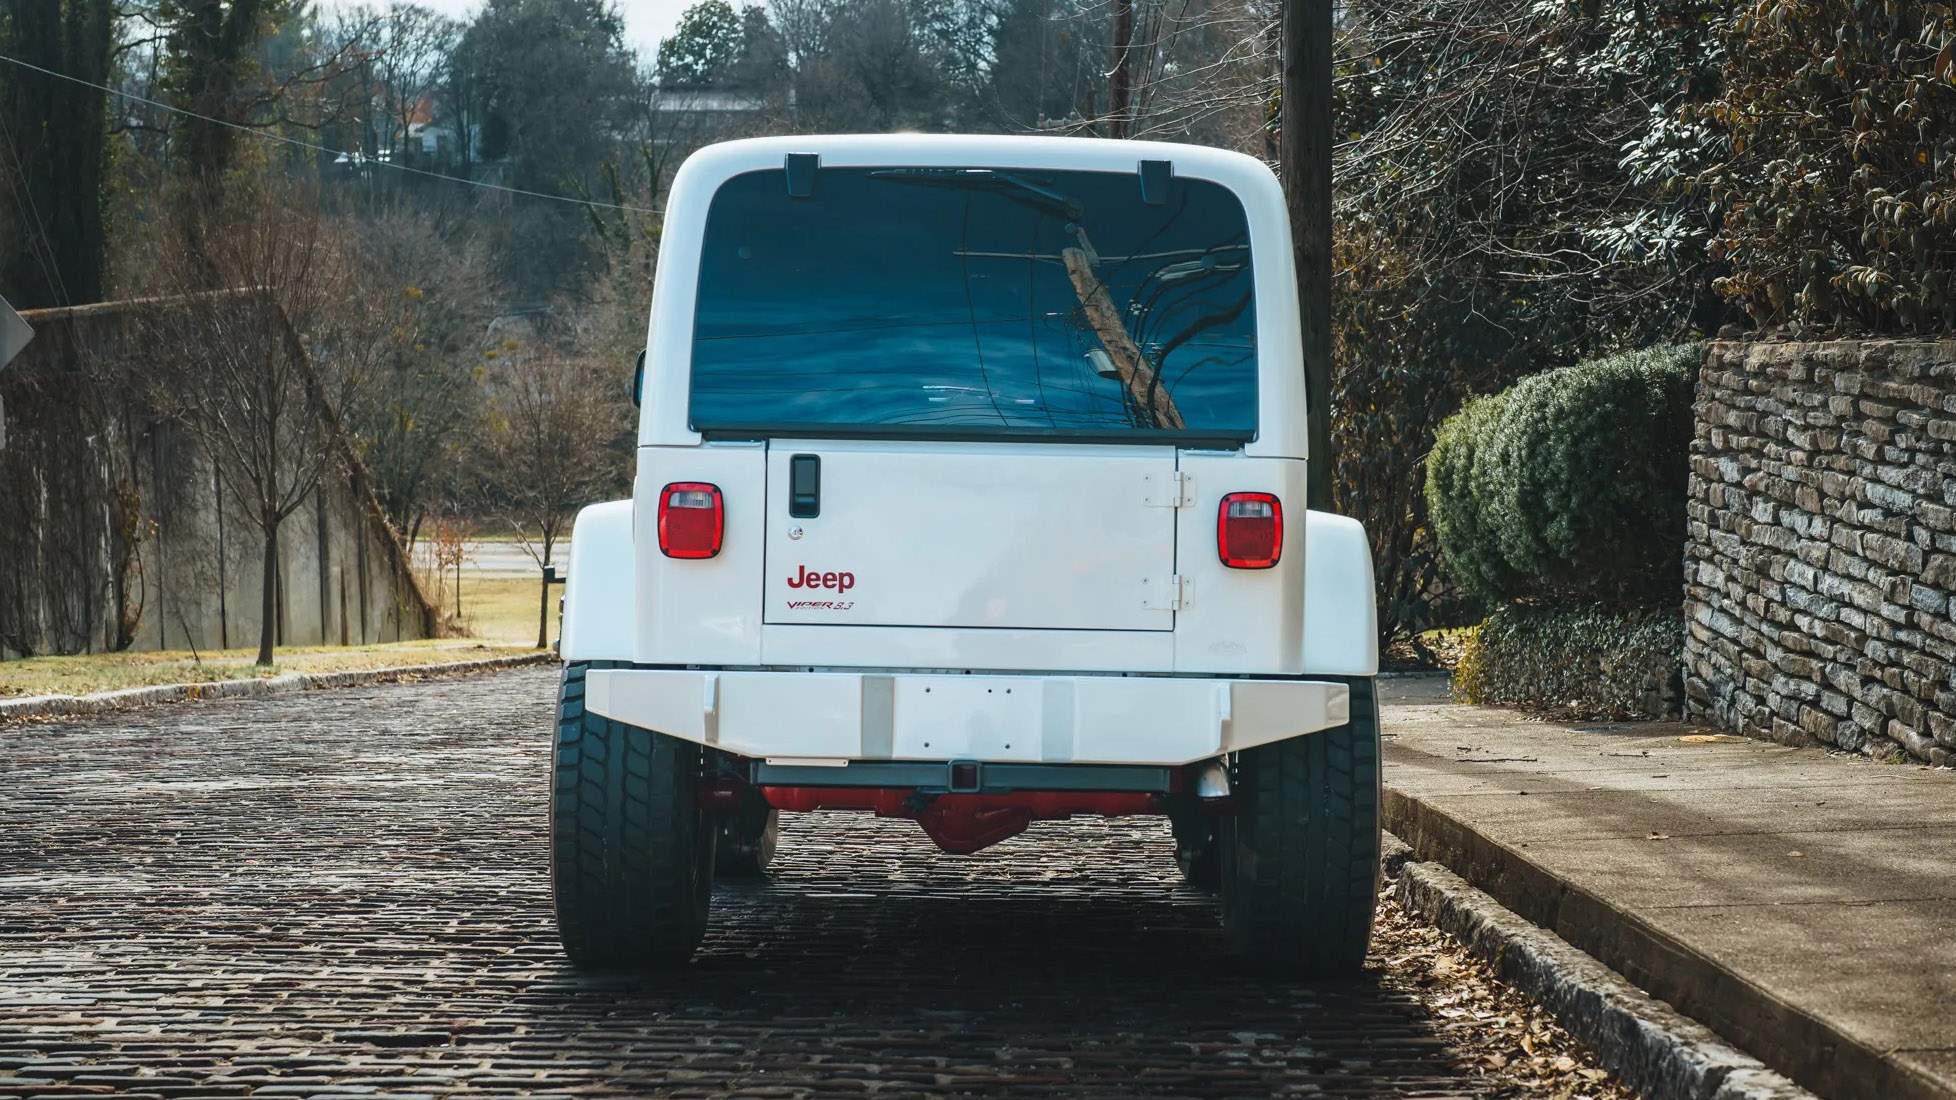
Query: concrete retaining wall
{"type": "Point", "coordinates": [115, 533]}
{"type": "Point", "coordinates": [1821, 557]}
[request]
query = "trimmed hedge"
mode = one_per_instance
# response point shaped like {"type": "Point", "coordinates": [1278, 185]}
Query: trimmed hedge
{"type": "Point", "coordinates": [1569, 487]}
{"type": "Point", "coordinates": [1590, 661]}
{"type": "Point", "coordinates": [1462, 519]}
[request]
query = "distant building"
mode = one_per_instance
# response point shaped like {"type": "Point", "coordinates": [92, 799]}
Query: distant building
{"type": "Point", "coordinates": [721, 101]}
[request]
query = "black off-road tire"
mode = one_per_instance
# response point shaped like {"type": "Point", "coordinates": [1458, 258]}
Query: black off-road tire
{"type": "Point", "coordinates": [631, 848]}
{"type": "Point", "coordinates": [747, 839]}
{"type": "Point", "coordinates": [1301, 855]}
{"type": "Point", "coordinates": [1198, 848]}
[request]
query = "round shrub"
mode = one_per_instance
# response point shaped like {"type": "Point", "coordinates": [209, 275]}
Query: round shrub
{"type": "Point", "coordinates": [1470, 548]}
{"type": "Point", "coordinates": [1574, 491]}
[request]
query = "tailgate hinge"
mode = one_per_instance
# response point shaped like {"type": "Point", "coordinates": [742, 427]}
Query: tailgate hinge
{"type": "Point", "coordinates": [1170, 593]}
{"type": "Point", "coordinates": [1170, 490]}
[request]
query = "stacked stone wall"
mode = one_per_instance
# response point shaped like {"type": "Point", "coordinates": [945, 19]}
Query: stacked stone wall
{"type": "Point", "coordinates": [1821, 556]}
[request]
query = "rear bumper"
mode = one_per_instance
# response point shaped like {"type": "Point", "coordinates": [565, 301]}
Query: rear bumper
{"type": "Point", "coordinates": [829, 718]}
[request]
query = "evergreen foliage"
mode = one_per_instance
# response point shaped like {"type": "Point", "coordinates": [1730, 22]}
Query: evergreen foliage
{"type": "Point", "coordinates": [1841, 185]}
{"type": "Point", "coordinates": [1585, 660]}
{"type": "Point", "coordinates": [1461, 519]}
{"type": "Point", "coordinates": [1570, 487]}
{"type": "Point", "coordinates": [54, 134]}
{"type": "Point", "coordinates": [704, 48]}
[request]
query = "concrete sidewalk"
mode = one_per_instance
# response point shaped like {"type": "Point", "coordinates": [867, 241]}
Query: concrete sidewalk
{"type": "Point", "coordinates": [1802, 905]}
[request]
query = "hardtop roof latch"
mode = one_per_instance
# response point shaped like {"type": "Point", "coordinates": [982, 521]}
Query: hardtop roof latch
{"type": "Point", "coordinates": [800, 168]}
{"type": "Point", "coordinates": [1155, 175]}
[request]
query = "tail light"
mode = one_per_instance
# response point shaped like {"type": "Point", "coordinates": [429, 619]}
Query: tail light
{"type": "Point", "coordinates": [1250, 530]}
{"type": "Point", "coordinates": [692, 518]}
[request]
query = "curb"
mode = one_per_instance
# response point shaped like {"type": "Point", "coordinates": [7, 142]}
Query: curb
{"type": "Point", "coordinates": [61, 706]}
{"type": "Point", "coordinates": [1795, 1041]}
{"type": "Point", "coordinates": [1657, 1051]}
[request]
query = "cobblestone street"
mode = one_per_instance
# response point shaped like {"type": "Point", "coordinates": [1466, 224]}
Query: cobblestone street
{"type": "Point", "coordinates": [345, 893]}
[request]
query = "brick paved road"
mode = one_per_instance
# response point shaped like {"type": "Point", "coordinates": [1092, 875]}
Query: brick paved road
{"type": "Point", "coordinates": [345, 894]}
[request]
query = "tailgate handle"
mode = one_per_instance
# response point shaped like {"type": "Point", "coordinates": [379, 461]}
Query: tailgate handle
{"type": "Point", "coordinates": [805, 486]}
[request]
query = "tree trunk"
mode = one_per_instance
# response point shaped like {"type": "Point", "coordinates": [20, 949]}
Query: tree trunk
{"type": "Point", "coordinates": [268, 595]}
{"type": "Point", "coordinates": [1120, 83]}
{"type": "Point", "coordinates": [59, 135]}
{"type": "Point", "coordinates": [1306, 166]}
{"type": "Point", "coordinates": [543, 612]}
{"type": "Point", "coordinates": [543, 608]}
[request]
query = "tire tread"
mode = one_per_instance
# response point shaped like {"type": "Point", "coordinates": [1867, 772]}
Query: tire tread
{"type": "Point", "coordinates": [624, 839]}
{"type": "Point", "coordinates": [1301, 858]}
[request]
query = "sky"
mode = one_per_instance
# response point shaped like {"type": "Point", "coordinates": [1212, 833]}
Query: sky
{"type": "Point", "coordinates": [646, 21]}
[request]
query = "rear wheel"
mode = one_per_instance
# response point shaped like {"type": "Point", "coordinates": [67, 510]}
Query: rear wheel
{"type": "Point", "coordinates": [1198, 848]}
{"type": "Point", "coordinates": [746, 841]}
{"type": "Point", "coordinates": [1300, 860]}
{"type": "Point", "coordinates": [631, 848]}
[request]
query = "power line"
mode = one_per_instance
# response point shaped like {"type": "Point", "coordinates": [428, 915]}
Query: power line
{"type": "Point", "coordinates": [268, 135]}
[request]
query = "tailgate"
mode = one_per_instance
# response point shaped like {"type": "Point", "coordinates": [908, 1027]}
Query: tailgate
{"type": "Point", "coordinates": [888, 533]}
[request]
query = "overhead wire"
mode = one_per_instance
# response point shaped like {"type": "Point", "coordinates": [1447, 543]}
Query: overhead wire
{"type": "Point", "coordinates": [269, 136]}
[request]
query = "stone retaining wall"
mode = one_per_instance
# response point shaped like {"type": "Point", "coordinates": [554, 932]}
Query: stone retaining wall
{"type": "Point", "coordinates": [1821, 556]}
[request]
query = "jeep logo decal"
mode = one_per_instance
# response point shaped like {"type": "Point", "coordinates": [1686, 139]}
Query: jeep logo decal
{"type": "Point", "coordinates": [807, 578]}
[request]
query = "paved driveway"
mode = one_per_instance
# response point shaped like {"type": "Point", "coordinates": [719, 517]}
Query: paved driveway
{"type": "Point", "coordinates": [345, 893]}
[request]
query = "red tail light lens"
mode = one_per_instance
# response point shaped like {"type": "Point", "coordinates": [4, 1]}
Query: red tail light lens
{"type": "Point", "coordinates": [691, 520]}
{"type": "Point", "coordinates": [1250, 530]}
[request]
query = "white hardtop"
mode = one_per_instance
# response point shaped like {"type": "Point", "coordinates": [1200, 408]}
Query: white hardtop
{"type": "Point", "coordinates": [969, 553]}
{"type": "Point", "coordinates": [1281, 432]}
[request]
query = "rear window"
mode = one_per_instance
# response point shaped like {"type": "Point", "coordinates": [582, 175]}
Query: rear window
{"type": "Point", "coordinates": [975, 302]}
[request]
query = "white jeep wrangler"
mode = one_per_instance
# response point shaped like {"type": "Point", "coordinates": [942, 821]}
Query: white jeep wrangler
{"type": "Point", "coordinates": [970, 490]}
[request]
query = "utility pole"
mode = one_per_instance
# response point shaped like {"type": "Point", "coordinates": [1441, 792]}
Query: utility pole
{"type": "Point", "coordinates": [1304, 149]}
{"type": "Point", "coordinates": [1120, 74]}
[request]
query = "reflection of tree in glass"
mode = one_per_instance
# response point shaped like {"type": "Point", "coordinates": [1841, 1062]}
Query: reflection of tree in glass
{"type": "Point", "coordinates": [932, 298]}
{"type": "Point", "coordinates": [1153, 405]}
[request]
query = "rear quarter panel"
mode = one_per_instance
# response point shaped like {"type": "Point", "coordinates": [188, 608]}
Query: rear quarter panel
{"type": "Point", "coordinates": [705, 612]}
{"type": "Point", "coordinates": [598, 603]}
{"type": "Point", "coordinates": [1248, 621]}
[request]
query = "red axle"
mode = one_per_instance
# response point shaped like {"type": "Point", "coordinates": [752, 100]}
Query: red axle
{"type": "Point", "coordinates": [964, 823]}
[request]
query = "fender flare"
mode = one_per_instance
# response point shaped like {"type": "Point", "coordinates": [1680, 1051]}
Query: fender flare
{"type": "Point", "coordinates": [599, 607]}
{"type": "Point", "coordinates": [1341, 612]}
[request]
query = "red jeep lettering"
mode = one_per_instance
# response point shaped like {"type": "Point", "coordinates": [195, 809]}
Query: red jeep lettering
{"type": "Point", "coordinates": [807, 578]}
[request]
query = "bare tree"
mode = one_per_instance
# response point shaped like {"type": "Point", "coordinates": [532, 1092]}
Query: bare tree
{"type": "Point", "coordinates": [414, 44]}
{"type": "Point", "coordinates": [556, 437]}
{"type": "Point", "coordinates": [233, 364]}
{"type": "Point", "coordinates": [403, 355]}
{"type": "Point", "coordinates": [1189, 70]}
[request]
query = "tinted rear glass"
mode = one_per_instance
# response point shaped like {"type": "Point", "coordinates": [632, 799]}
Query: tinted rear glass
{"type": "Point", "coordinates": [975, 302]}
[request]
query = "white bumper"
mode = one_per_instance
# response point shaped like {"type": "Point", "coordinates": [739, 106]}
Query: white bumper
{"type": "Point", "coordinates": [824, 717]}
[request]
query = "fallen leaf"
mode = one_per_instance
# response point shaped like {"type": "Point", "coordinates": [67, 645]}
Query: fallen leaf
{"type": "Point", "coordinates": [1658, 836]}
{"type": "Point", "coordinates": [1711, 739]}
{"type": "Point", "coordinates": [1795, 855]}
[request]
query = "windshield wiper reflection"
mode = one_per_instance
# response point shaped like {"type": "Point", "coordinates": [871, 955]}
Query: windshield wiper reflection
{"type": "Point", "coordinates": [1016, 188]}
